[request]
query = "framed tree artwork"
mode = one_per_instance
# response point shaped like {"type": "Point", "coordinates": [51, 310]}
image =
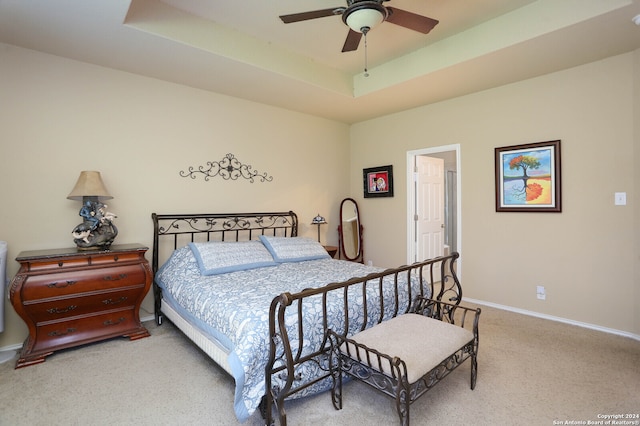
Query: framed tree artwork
{"type": "Point", "coordinates": [528, 178]}
{"type": "Point", "coordinates": [378, 182]}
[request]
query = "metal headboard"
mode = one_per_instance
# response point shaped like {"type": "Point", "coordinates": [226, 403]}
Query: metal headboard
{"type": "Point", "coordinates": [180, 229]}
{"type": "Point", "coordinates": [172, 231]}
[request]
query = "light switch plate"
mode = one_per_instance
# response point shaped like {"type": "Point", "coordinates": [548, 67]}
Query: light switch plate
{"type": "Point", "coordinates": [621, 199]}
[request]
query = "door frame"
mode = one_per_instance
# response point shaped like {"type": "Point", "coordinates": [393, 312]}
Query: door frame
{"type": "Point", "coordinates": [411, 202]}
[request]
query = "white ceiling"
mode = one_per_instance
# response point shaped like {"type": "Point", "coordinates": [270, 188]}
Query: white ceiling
{"type": "Point", "coordinates": [242, 48]}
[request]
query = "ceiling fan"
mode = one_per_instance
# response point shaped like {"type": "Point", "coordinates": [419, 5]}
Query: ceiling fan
{"type": "Point", "coordinates": [362, 15]}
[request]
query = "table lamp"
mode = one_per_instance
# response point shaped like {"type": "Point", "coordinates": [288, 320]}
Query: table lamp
{"type": "Point", "coordinates": [318, 220]}
{"type": "Point", "coordinates": [97, 229]}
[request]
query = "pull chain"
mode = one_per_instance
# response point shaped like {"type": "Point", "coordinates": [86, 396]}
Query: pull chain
{"type": "Point", "coordinates": [365, 30]}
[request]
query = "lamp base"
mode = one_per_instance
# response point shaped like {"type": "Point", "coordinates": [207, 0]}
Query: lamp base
{"type": "Point", "coordinates": [93, 248]}
{"type": "Point", "coordinates": [100, 238]}
{"type": "Point", "coordinates": [97, 231]}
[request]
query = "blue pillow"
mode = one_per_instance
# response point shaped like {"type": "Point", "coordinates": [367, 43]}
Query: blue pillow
{"type": "Point", "coordinates": [294, 249]}
{"type": "Point", "coordinates": [219, 257]}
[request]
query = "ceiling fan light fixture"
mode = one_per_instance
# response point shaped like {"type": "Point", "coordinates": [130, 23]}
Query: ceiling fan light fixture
{"type": "Point", "coordinates": [364, 16]}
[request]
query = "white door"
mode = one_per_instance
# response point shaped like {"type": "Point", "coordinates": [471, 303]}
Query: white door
{"type": "Point", "coordinates": [429, 215]}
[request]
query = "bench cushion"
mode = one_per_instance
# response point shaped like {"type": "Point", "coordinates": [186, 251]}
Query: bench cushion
{"type": "Point", "coordinates": [421, 342]}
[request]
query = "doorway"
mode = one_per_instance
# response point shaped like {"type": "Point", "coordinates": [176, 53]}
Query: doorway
{"type": "Point", "coordinates": [420, 240]}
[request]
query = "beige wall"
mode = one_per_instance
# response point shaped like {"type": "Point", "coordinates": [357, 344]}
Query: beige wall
{"type": "Point", "coordinates": [587, 257]}
{"type": "Point", "coordinates": [59, 117]}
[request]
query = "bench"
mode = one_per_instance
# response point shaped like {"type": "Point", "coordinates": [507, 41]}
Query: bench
{"type": "Point", "coordinates": [407, 355]}
{"type": "Point", "coordinates": [299, 323]}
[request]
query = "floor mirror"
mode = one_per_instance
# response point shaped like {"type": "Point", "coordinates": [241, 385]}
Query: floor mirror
{"type": "Point", "coordinates": [350, 232]}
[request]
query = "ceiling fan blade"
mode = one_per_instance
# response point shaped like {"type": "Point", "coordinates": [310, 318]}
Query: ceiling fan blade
{"type": "Point", "coordinates": [352, 41]}
{"type": "Point", "coordinates": [313, 14]}
{"type": "Point", "coordinates": [410, 20]}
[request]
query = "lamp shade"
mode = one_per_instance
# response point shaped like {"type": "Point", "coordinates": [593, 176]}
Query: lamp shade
{"type": "Point", "coordinates": [89, 184]}
{"type": "Point", "coordinates": [318, 220]}
{"type": "Point", "coordinates": [364, 18]}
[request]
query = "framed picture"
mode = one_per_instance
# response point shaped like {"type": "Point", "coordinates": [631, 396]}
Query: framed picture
{"type": "Point", "coordinates": [528, 178]}
{"type": "Point", "coordinates": [378, 181]}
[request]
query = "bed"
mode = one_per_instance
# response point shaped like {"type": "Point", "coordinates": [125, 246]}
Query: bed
{"type": "Point", "coordinates": [258, 299]}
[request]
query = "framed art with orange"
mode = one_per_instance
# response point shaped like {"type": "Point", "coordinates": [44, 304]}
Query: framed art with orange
{"type": "Point", "coordinates": [528, 178]}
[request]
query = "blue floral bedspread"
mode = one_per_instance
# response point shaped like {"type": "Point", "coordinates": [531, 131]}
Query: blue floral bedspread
{"type": "Point", "coordinates": [234, 308]}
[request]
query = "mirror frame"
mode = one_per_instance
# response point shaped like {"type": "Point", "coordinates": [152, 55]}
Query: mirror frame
{"type": "Point", "coordinates": [359, 257]}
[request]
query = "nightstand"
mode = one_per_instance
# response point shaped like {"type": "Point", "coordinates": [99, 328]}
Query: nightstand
{"type": "Point", "coordinates": [70, 297]}
{"type": "Point", "coordinates": [332, 250]}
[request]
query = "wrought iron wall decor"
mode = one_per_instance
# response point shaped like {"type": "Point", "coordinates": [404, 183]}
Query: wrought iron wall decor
{"type": "Point", "coordinates": [229, 168]}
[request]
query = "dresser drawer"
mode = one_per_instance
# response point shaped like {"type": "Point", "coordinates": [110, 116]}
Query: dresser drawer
{"type": "Point", "coordinates": [43, 310]}
{"type": "Point", "coordinates": [80, 330]}
{"type": "Point", "coordinates": [58, 263]}
{"type": "Point", "coordinates": [110, 258]}
{"type": "Point", "coordinates": [78, 282]}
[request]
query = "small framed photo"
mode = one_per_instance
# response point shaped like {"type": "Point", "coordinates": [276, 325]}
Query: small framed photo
{"type": "Point", "coordinates": [528, 178]}
{"type": "Point", "coordinates": [378, 181]}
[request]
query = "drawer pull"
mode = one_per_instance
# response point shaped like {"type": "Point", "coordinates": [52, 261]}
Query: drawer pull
{"type": "Point", "coordinates": [61, 333]}
{"type": "Point", "coordinates": [61, 285]}
{"type": "Point", "coordinates": [109, 322]}
{"type": "Point", "coordinates": [116, 278]}
{"type": "Point", "coordinates": [114, 302]}
{"type": "Point", "coordinates": [61, 311]}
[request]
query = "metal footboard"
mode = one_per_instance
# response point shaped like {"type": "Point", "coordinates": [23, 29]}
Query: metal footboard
{"type": "Point", "coordinates": [437, 279]}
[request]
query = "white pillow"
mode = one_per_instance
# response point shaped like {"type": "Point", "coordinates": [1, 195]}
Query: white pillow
{"type": "Point", "coordinates": [294, 249]}
{"type": "Point", "coordinates": [220, 257]}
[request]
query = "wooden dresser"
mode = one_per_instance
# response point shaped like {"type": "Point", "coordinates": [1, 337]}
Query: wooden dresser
{"type": "Point", "coordinates": [70, 297]}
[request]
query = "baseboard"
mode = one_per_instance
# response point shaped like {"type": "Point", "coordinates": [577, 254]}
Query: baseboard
{"type": "Point", "coordinates": [15, 347]}
{"type": "Point", "coordinates": [148, 318]}
{"type": "Point", "coordinates": [8, 353]}
{"type": "Point", "coordinates": [553, 318]}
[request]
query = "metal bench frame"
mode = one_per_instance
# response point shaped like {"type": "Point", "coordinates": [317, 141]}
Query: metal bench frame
{"type": "Point", "coordinates": [367, 367]}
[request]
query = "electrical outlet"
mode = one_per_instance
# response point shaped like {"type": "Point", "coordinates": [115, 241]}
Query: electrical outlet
{"type": "Point", "coordinates": [541, 293]}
